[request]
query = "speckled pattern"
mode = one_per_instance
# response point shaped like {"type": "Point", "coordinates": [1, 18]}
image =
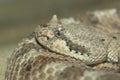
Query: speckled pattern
{"type": "Point", "coordinates": [32, 60]}
{"type": "Point", "coordinates": [40, 65]}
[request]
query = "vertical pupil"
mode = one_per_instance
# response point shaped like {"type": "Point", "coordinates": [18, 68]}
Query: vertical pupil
{"type": "Point", "coordinates": [58, 33]}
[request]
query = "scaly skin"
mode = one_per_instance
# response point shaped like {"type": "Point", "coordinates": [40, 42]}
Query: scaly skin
{"type": "Point", "coordinates": [32, 62]}
{"type": "Point", "coordinates": [64, 49]}
{"type": "Point", "coordinates": [76, 40]}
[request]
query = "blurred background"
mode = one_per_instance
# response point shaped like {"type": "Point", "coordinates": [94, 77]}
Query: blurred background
{"type": "Point", "coordinates": [18, 18]}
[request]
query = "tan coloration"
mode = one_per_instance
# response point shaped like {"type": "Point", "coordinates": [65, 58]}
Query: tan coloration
{"type": "Point", "coordinates": [114, 47]}
{"type": "Point", "coordinates": [105, 20]}
{"type": "Point", "coordinates": [68, 49]}
{"type": "Point", "coordinates": [34, 63]}
{"type": "Point", "coordinates": [60, 46]}
{"type": "Point", "coordinates": [100, 75]}
{"type": "Point", "coordinates": [107, 67]}
{"type": "Point", "coordinates": [96, 43]}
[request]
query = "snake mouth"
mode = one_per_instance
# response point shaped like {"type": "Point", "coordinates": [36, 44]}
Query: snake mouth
{"type": "Point", "coordinates": [62, 46]}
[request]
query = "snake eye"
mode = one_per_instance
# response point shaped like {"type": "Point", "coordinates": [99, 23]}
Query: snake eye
{"type": "Point", "coordinates": [57, 33]}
